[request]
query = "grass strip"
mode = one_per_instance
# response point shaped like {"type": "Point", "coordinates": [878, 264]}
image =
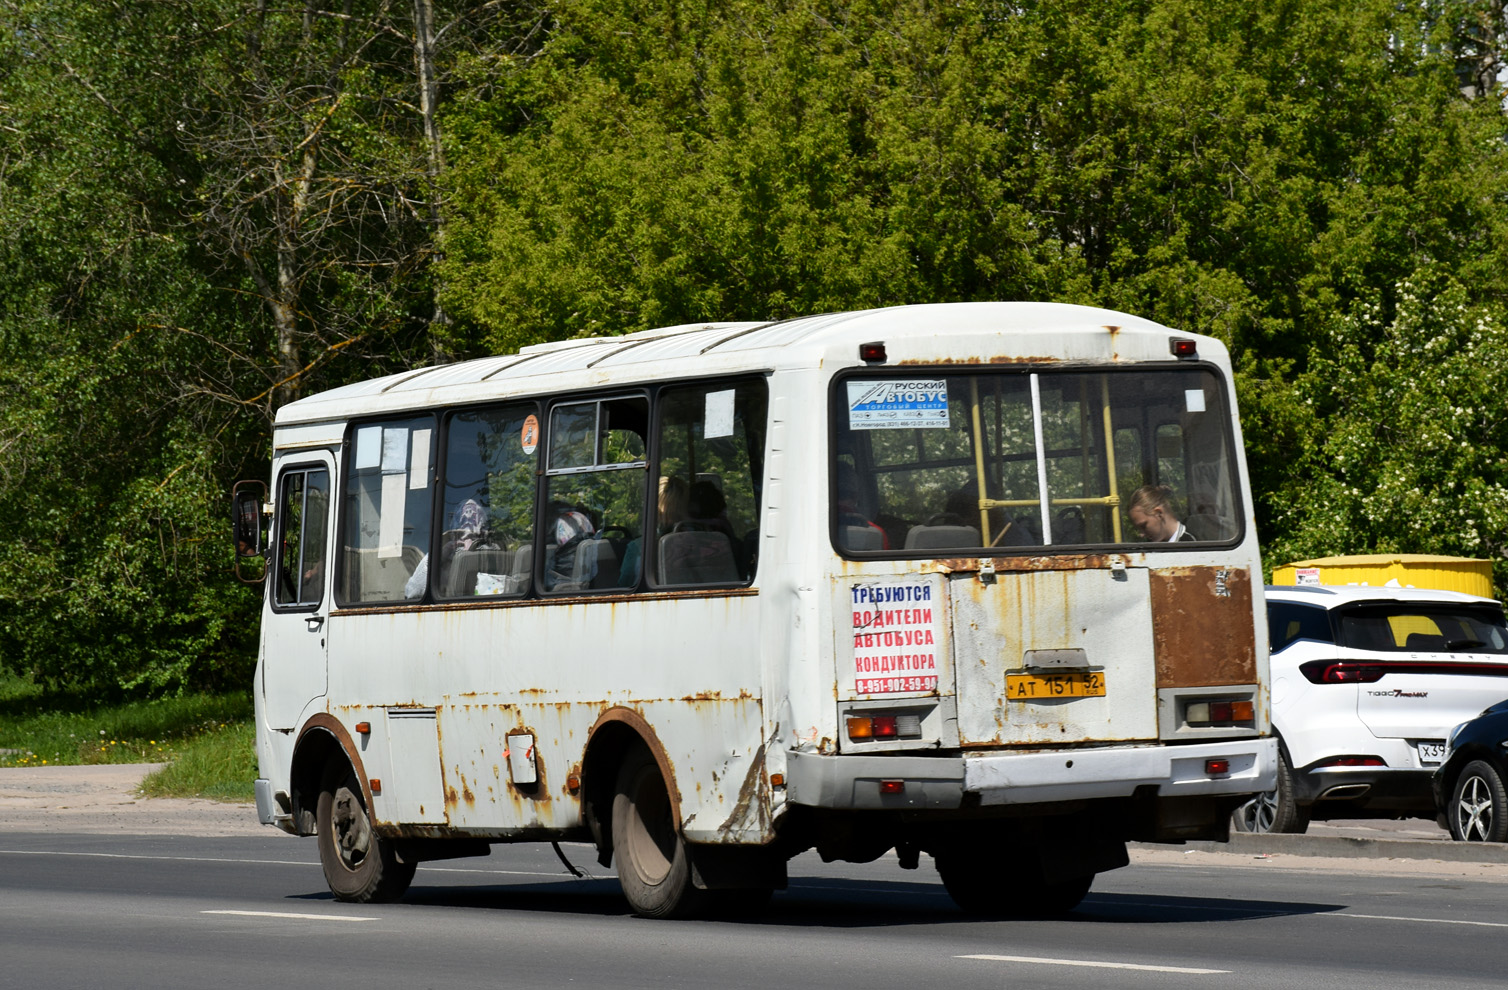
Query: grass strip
{"type": "Point", "coordinates": [206, 740]}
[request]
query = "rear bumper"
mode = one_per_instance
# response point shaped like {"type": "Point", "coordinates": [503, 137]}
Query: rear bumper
{"type": "Point", "coordinates": [1339, 791]}
{"type": "Point", "coordinates": [940, 782]}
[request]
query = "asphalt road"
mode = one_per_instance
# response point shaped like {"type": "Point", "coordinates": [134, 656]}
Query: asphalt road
{"type": "Point", "coordinates": [122, 911]}
{"type": "Point", "coordinates": [100, 888]}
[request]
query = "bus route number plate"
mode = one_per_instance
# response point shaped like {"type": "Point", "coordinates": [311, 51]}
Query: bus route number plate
{"type": "Point", "coordinates": [1031, 687]}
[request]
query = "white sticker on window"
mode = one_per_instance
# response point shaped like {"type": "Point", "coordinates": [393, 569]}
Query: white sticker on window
{"type": "Point", "coordinates": [394, 450]}
{"type": "Point", "coordinates": [1194, 398]}
{"type": "Point", "coordinates": [368, 447]}
{"type": "Point", "coordinates": [420, 476]}
{"type": "Point", "coordinates": [898, 404]}
{"type": "Point", "coordinates": [719, 415]}
{"type": "Point", "coordinates": [390, 519]}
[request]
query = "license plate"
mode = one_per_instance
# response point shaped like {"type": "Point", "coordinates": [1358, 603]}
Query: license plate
{"type": "Point", "coordinates": [1431, 752]}
{"type": "Point", "coordinates": [1032, 687]}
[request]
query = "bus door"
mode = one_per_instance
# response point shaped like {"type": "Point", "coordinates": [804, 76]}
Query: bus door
{"type": "Point", "coordinates": [298, 603]}
{"type": "Point", "coordinates": [1060, 654]}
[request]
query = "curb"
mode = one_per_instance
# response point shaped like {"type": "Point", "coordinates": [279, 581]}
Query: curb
{"type": "Point", "coordinates": [1347, 847]}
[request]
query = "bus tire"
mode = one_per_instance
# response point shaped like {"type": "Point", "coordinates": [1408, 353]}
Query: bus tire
{"type": "Point", "coordinates": [653, 867]}
{"type": "Point", "coordinates": [1273, 811]}
{"type": "Point", "coordinates": [996, 890]}
{"type": "Point", "coordinates": [360, 866]}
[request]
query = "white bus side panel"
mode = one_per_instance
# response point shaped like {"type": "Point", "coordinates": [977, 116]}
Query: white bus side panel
{"type": "Point", "coordinates": [689, 667]}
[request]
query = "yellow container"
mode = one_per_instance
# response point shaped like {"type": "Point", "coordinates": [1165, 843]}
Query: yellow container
{"type": "Point", "coordinates": [1410, 570]}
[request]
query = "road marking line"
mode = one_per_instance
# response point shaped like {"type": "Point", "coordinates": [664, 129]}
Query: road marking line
{"type": "Point", "coordinates": [1424, 921]}
{"type": "Point", "coordinates": [288, 914]}
{"type": "Point", "coordinates": [167, 859]}
{"type": "Point", "coordinates": [1097, 965]}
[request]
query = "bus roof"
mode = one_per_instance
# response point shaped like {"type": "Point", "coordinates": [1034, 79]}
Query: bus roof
{"type": "Point", "coordinates": [939, 333]}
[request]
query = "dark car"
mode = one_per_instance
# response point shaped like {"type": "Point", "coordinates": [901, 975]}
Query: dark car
{"type": "Point", "coordinates": [1470, 791]}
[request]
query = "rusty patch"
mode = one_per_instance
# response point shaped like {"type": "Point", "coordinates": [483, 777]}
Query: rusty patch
{"type": "Point", "coordinates": [343, 738]}
{"type": "Point", "coordinates": [976, 362]}
{"type": "Point", "coordinates": [753, 795]}
{"type": "Point", "coordinates": [634, 720]}
{"type": "Point", "coordinates": [485, 603]}
{"type": "Point", "coordinates": [1202, 626]}
{"type": "Point", "coordinates": [1018, 564]}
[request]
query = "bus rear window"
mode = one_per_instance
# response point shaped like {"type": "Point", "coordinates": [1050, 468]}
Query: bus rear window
{"type": "Point", "coordinates": [1001, 460]}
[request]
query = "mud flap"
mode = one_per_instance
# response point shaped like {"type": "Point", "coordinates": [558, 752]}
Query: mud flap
{"type": "Point", "coordinates": [736, 867]}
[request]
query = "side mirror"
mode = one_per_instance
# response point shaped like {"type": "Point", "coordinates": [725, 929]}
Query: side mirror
{"type": "Point", "coordinates": [247, 499]}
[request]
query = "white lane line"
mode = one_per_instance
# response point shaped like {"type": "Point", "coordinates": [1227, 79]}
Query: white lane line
{"type": "Point", "coordinates": [1097, 965]}
{"type": "Point", "coordinates": [1421, 921]}
{"type": "Point", "coordinates": [288, 914]}
{"type": "Point", "coordinates": [167, 859]}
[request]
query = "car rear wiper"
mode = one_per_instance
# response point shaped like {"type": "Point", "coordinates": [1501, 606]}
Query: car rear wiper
{"type": "Point", "coordinates": [1464, 644]}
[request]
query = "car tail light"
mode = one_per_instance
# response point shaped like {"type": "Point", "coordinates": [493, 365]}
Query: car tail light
{"type": "Point", "coordinates": [1342, 671]}
{"type": "Point", "coordinates": [1220, 712]}
{"type": "Point", "coordinates": [1352, 761]}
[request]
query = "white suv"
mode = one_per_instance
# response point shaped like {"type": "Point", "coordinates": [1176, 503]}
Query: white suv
{"type": "Point", "coordinates": [1366, 685]}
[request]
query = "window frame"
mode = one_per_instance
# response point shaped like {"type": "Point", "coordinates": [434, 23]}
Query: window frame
{"type": "Point", "coordinates": [327, 585]}
{"type": "Point", "coordinates": [836, 402]}
{"type": "Point", "coordinates": [347, 465]}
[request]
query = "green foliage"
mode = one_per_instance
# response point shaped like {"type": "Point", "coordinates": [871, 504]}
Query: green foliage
{"type": "Point", "coordinates": [1399, 423]}
{"type": "Point", "coordinates": [39, 727]}
{"type": "Point", "coordinates": [208, 206]}
{"type": "Point", "coordinates": [219, 764]}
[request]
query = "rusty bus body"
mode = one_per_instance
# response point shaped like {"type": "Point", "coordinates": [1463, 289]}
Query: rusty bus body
{"type": "Point", "coordinates": [1016, 689]}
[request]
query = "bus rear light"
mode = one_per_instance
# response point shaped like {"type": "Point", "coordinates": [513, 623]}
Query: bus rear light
{"type": "Point", "coordinates": [1183, 347]}
{"type": "Point", "coordinates": [1217, 768]}
{"type": "Point", "coordinates": [1352, 761]}
{"type": "Point", "coordinates": [892, 787]}
{"type": "Point", "coordinates": [1220, 712]}
{"type": "Point", "coordinates": [884, 726]}
{"type": "Point", "coordinates": [872, 353]}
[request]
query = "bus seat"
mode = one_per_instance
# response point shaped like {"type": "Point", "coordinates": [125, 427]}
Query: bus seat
{"type": "Point", "coordinates": [523, 567]}
{"type": "Point", "coordinates": [941, 537]}
{"type": "Point", "coordinates": [863, 538]}
{"type": "Point", "coordinates": [697, 557]}
{"type": "Point", "coordinates": [607, 565]}
{"type": "Point", "coordinates": [371, 577]}
{"type": "Point", "coordinates": [461, 577]}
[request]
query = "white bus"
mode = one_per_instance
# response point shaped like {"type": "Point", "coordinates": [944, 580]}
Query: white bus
{"type": "Point", "coordinates": [974, 580]}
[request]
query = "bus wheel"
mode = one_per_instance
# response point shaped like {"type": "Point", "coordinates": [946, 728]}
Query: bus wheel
{"type": "Point", "coordinates": [996, 890]}
{"type": "Point", "coordinates": [359, 864]}
{"type": "Point", "coordinates": [653, 867]}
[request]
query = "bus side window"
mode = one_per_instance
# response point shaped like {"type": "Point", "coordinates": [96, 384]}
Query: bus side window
{"type": "Point", "coordinates": [488, 512]}
{"type": "Point", "coordinates": [711, 459]}
{"type": "Point", "coordinates": [385, 518]}
{"type": "Point", "coordinates": [303, 511]}
{"type": "Point", "coordinates": [595, 493]}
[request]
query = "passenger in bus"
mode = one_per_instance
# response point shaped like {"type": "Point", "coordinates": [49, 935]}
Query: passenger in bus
{"type": "Point", "coordinates": [856, 529]}
{"type": "Point", "coordinates": [1154, 517]}
{"type": "Point", "coordinates": [468, 526]}
{"type": "Point", "coordinates": [671, 509]}
{"type": "Point", "coordinates": [571, 529]}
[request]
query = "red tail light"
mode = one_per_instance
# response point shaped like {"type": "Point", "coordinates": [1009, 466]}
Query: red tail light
{"type": "Point", "coordinates": [1353, 761]}
{"type": "Point", "coordinates": [1342, 671]}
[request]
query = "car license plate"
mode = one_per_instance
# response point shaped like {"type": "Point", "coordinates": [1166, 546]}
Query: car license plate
{"type": "Point", "coordinates": [1030, 687]}
{"type": "Point", "coordinates": [1431, 752]}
